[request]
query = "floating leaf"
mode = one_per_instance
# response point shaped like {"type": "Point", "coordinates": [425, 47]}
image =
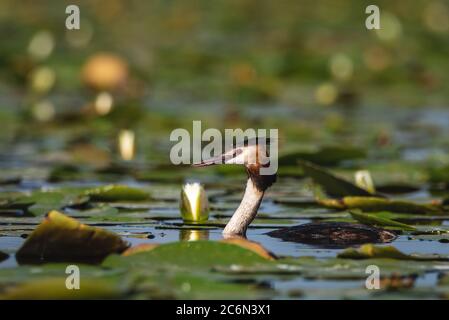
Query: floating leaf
{"type": "Point", "coordinates": [55, 288]}
{"type": "Point", "coordinates": [99, 211]}
{"type": "Point", "coordinates": [61, 238]}
{"type": "Point", "coordinates": [331, 268]}
{"type": "Point", "coordinates": [374, 204]}
{"type": "Point", "coordinates": [111, 193]}
{"type": "Point", "coordinates": [189, 255]}
{"type": "Point", "coordinates": [42, 202]}
{"type": "Point", "coordinates": [333, 185]}
{"type": "Point", "coordinates": [375, 220]}
{"type": "Point", "coordinates": [26, 273]}
{"type": "Point", "coordinates": [197, 286]}
{"type": "Point", "coordinates": [369, 251]}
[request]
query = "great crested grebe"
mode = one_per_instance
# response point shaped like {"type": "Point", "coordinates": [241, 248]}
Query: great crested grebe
{"type": "Point", "coordinates": [250, 155]}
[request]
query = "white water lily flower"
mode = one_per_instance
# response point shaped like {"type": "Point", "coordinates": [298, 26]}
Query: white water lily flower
{"type": "Point", "coordinates": [363, 180]}
{"type": "Point", "coordinates": [194, 204]}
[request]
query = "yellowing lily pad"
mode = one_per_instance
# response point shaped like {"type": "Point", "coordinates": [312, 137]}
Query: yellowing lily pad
{"type": "Point", "coordinates": [374, 204]}
{"type": "Point", "coordinates": [369, 251]}
{"type": "Point", "coordinates": [61, 238]}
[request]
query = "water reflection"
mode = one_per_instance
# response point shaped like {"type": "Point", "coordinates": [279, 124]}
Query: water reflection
{"type": "Point", "coordinates": [193, 235]}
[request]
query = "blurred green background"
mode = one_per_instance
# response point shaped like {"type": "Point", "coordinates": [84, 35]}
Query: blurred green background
{"type": "Point", "coordinates": [152, 66]}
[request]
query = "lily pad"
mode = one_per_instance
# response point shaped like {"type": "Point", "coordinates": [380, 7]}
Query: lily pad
{"type": "Point", "coordinates": [61, 238]}
{"type": "Point", "coordinates": [374, 204]}
{"type": "Point", "coordinates": [369, 251]}
{"type": "Point", "coordinates": [333, 185]}
{"type": "Point", "coordinates": [188, 255]}
{"type": "Point", "coordinates": [55, 288]}
{"type": "Point", "coordinates": [42, 202]}
{"type": "Point", "coordinates": [182, 285]}
{"type": "Point", "coordinates": [372, 219]}
{"type": "Point", "coordinates": [111, 193]}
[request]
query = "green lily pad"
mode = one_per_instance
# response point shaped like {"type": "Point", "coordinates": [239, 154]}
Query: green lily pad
{"type": "Point", "coordinates": [188, 255]}
{"type": "Point", "coordinates": [331, 268]}
{"type": "Point", "coordinates": [372, 219]}
{"type": "Point", "coordinates": [55, 288]}
{"type": "Point", "coordinates": [111, 193]}
{"type": "Point", "coordinates": [375, 204]}
{"type": "Point", "coordinates": [101, 210]}
{"type": "Point", "coordinates": [196, 286]}
{"type": "Point", "coordinates": [42, 202]}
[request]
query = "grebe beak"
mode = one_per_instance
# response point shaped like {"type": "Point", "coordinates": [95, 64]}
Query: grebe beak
{"type": "Point", "coordinates": [221, 159]}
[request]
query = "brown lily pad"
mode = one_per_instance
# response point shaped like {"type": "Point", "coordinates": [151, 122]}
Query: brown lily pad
{"type": "Point", "coordinates": [61, 238]}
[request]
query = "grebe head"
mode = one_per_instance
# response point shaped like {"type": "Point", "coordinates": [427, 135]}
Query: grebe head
{"type": "Point", "coordinates": [252, 155]}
